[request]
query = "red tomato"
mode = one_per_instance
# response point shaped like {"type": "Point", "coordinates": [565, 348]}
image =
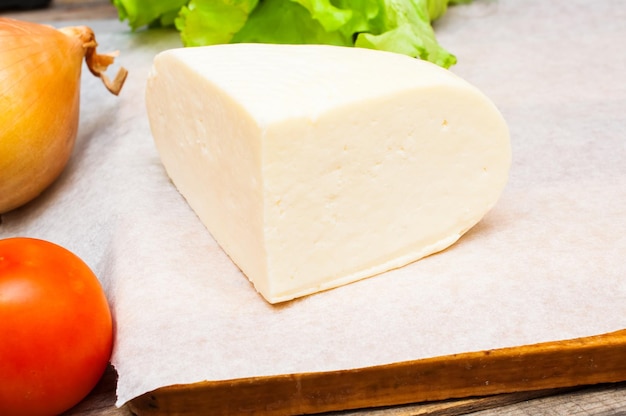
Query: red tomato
{"type": "Point", "coordinates": [56, 331]}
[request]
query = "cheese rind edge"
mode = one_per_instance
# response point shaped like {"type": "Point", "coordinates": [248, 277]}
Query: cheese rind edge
{"type": "Point", "coordinates": [318, 166]}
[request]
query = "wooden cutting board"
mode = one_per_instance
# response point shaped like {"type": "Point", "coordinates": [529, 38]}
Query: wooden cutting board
{"type": "Point", "coordinates": [582, 361]}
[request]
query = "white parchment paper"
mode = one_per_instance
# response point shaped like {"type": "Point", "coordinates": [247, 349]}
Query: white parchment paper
{"type": "Point", "coordinates": [546, 264]}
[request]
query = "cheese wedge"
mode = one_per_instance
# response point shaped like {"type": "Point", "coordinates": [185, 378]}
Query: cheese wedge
{"type": "Point", "coordinates": [316, 166]}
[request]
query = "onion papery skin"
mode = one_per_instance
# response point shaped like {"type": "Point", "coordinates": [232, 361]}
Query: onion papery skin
{"type": "Point", "coordinates": [40, 69]}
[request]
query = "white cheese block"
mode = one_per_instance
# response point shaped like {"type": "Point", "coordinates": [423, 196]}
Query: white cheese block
{"type": "Point", "coordinates": [316, 166]}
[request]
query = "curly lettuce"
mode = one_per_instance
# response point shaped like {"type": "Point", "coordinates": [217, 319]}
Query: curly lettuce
{"type": "Point", "coordinates": [140, 13]}
{"type": "Point", "coordinates": [402, 26]}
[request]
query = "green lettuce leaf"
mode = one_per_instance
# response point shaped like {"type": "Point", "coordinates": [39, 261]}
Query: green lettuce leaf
{"type": "Point", "coordinates": [209, 22]}
{"type": "Point", "coordinates": [405, 27]}
{"type": "Point", "coordinates": [330, 17]}
{"type": "Point", "coordinates": [140, 13]}
{"type": "Point", "coordinates": [402, 26]}
{"type": "Point", "coordinates": [281, 21]}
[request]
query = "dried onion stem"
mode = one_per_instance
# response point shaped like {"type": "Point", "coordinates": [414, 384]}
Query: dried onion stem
{"type": "Point", "coordinates": [97, 63]}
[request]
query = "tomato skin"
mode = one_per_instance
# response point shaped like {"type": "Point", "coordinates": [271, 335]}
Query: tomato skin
{"type": "Point", "coordinates": [56, 329]}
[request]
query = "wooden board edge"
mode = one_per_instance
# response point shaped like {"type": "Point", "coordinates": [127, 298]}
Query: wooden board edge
{"type": "Point", "coordinates": [580, 361]}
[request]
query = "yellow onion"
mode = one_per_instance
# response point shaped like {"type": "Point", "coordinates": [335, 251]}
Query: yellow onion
{"type": "Point", "coordinates": [40, 69]}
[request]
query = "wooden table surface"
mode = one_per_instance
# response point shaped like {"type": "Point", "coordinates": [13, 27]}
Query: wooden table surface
{"type": "Point", "coordinates": [602, 400]}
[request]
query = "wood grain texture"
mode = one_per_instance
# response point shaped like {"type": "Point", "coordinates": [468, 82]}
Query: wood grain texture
{"type": "Point", "coordinates": [607, 400]}
{"type": "Point", "coordinates": [601, 400]}
{"type": "Point", "coordinates": [589, 360]}
{"type": "Point", "coordinates": [101, 400]}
